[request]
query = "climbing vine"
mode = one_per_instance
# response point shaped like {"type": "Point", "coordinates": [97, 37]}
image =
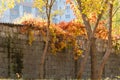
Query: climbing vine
{"type": "Point", "coordinates": [62, 35]}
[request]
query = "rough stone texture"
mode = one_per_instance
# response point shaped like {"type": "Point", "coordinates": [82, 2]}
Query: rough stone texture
{"type": "Point", "coordinates": [60, 66]}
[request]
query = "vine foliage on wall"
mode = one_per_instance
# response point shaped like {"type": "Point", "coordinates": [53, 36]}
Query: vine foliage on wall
{"type": "Point", "coordinates": [62, 35]}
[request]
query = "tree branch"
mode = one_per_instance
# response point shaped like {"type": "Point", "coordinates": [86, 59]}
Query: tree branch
{"type": "Point", "coordinates": [99, 17]}
{"type": "Point", "coordinates": [85, 20]}
{"type": "Point", "coordinates": [107, 54]}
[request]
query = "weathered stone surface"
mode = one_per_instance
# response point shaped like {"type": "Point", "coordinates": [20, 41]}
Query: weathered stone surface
{"type": "Point", "coordinates": [60, 66]}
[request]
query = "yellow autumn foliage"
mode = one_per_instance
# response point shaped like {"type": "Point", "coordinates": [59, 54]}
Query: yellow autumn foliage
{"type": "Point", "coordinates": [7, 4]}
{"type": "Point", "coordinates": [31, 37]}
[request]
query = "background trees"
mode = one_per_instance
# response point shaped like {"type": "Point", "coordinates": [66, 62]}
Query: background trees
{"type": "Point", "coordinates": [99, 8]}
{"type": "Point", "coordinates": [7, 4]}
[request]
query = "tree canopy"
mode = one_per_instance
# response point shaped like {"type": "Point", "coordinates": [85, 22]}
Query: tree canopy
{"type": "Point", "coordinates": [7, 4]}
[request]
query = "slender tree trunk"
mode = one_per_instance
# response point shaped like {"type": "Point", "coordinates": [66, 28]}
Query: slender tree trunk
{"type": "Point", "coordinates": [44, 53]}
{"type": "Point", "coordinates": [49, 4]}
{"type": "Point", "coordinates": [93, 59]}
{"type": "Point", "coordinates": [107, 54]}
{"type": "Point", "coordinates": [100, 69]}
{"type": "Point", "coordinates": [84, 61]}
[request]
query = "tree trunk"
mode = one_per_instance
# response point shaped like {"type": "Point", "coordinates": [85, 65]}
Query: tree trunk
{"type": "Point", "coordinates": [100, 69]}
{"type": "Point", "coordinates": [84, 61]}
{"type": "Point", "coordinates": [107, 54]}
{"type": "Point", "coordinates": [44, 54]}
{"type": "Point", "coordinates": [46, 47]}
{"type": "Point", "coordinates": [43, 61]}
{"type": "Point", "coordinates": [93, 59]}
{"type": "Point", "coordinates": [48, 14]}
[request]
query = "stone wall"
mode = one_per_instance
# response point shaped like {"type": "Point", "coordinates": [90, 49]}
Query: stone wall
{"type": "Point", "coordinates": [59, 66]}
